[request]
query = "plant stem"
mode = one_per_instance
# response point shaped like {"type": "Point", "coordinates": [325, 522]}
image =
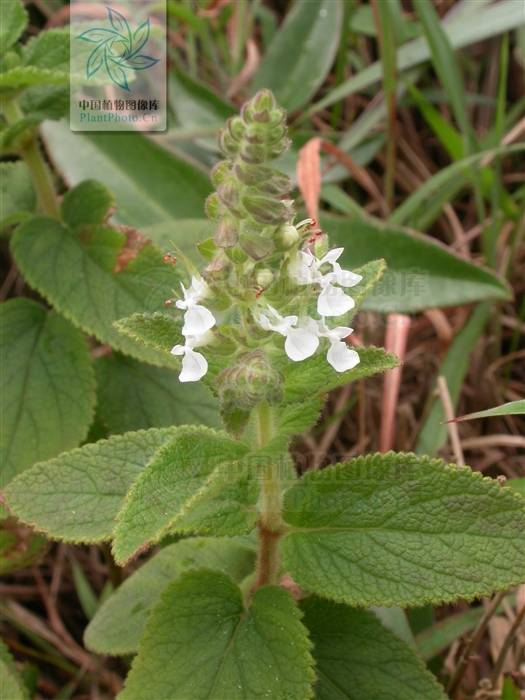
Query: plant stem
{"type": "Point", "coordinates": [32, 155]}
{"type": "Point", "coordinates": [271, 524]}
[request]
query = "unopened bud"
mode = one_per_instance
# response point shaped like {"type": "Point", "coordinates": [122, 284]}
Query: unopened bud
{"type": "Point", "coordinates": [264, 277]}
{"type": "Point", "coordinates": [286, 236]}
{"type": "Point", "coordinates": [251, 381]}
{"type": "Point", "coordinates": [226, 234]}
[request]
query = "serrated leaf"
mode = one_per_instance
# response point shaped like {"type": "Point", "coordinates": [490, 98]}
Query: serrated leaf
{"type": "Point", "coordinates": [371, 274]}
{"type": "Point", "coordinates": [315, 374]}
{"type": "Point", "coordinates": [24, 76]}
{"type": "Point", "coordinates": [225, 507]}
{"type": "Point", "coordinates": [400, 529]}
{"type": "Point", "coordinates": [96, 277]}
{"type": "Point", "coordinates": [49, 50]}
{"type": "Point", "coordinates": [357, 658]}
{"type": "Point", "coordinates": [13, 20]}
{"type": "Point", "coordinates": [16, 190]}
{"type": "Point", "coordinates": [312, 29]}
{"type": "Point", "coordinates": [202, 642]}
{"type": "Point", "coordinates": [12, 137]}
{"type": "Point", "coordinates": [132, 395]}
{"type": "Point", "coordinates": [158, 330]}
{"type": "Point", "coordinates": [77, 496]}
{"type": "Point", "coordinates": [12, 686]}
{"type": "Point", "coordinates": [48, 389]}
{"type": "Point", "coordinates": [118, 625]}
{"type": "Point", "coordinates": [45, 101]}
{"type": "Point", "coordinates": [90, 202]}
{"type": "Point", "coordinates": [174, 476]}
{"type": "Point", "coordinates": [295, 418]}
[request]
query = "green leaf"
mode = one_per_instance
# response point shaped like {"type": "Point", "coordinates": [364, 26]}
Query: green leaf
{"type": "Point", "coordinates": [225, 506]}
{"type": "Point", "coordinates": [45, 101]}
{"type": "Point", "coordinates": [357, 658]}
{"type": "Point", "coordinates": [19, 547]}
{"type": "Point", "coordinates": [513, 408]}
{"type": "Point", "coordinates": [421, 273]}
{"type": "Point", "coordinates": [125, 166]}
{"type": "Point", "coordinates": [301, 53]}
{"type": "Point", "coordinates": [132, 395]}
{"type": "Point", "coordinates": [202, 642]}
{"type": "Point", "coordinates": [95, 277]}
{"type": "Point", "coordinates": [48, 388]}
{"type": "Point", "coordinates": [77, 496]}
{"type": "Point", "coordinates": [45, 59]}
{"type": "Point", "coordinates": [11, 684]}
{"type": "Point", "coordinates": [195, 105]}
{"type": "Point", "coordinates": [434, 433]}
{"type": "Point", "coordinates": [16, 190]}
{"type": "Point", "coordinates": [158, 330]}
{"type": "Point", "coordinates": [90, 202]}
{"type": "Point", "coordinates": [295, 418]}
{"type": "Point", "coordinates": [13, 20]}
{"type": "Point", "coordinates": [400, 529]}
{"type": "Point", "coordinates": [163, 491]}
{"type": "Point", "coordinates": [315, 374]}
{"type": "Point", "coordinates": [118, 625]}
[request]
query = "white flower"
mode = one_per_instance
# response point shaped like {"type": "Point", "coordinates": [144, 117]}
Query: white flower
{"type": "Point", "coordinates": [340, 356]}
{"type": "Point", "coordinates": [332, 300]}
{"type": "Point", "coordinates": [194, 365]}
{"type": "Point", "coordinates": [197, 319]}
{"type": "Point", "coordinates": [300, 342]}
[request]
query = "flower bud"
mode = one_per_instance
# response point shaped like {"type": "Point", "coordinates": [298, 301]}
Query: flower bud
{"type": "Point", "coordinates": [220, 173]}
{"type": "Point", "coordinates": [226, 234]}
{"type": "Point", "coordinates": [228, 193]}
{"type": "Point", "coordinates": [264, 277]}
{"type": "Point", "coordinates": [227, 145]}
{"type": "Point", "coordinates": [214, 207]}
{"type": "Point", "coordinates": [267, 210]}
{"type": "Point", "coordinates": [251, 381]}
{"type": "Point", "coordinates": [286, 236]}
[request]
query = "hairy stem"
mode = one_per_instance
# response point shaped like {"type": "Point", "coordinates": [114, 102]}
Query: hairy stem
{"type": "Point", "coordinates": [271, 524]}
{"type": "Point", "coordinates": [32, 155]}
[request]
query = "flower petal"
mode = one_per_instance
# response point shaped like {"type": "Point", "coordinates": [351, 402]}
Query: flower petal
{"type": "Point", "coordinates": [341, 357]}
{"type": "Point", "coordinates": [300, 344]}
{"type": "Point", "coordinates": [178, 350]}
{"type": "Point", "coordinates": [333, 301]}
{"type": "Point", "coordinates": [194, 366]}
{"type": "Point", "coordinates": [344, 277]}
{"type": "Point", "coordinates": [331, 256]}
{"type": "Point", "coordinates": [197, 321]}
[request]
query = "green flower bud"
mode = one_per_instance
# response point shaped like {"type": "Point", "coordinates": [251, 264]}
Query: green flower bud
{"type": "Point", "coordinates": [214, 207]}
{"type": "Point", "coordinates": [228, 193]}
{"type": "Point", "coordinates": [227, 145]}
{"type": "Point", "coordinates": [286, 236]}
{"type": "Point", "coordinates": [220, 173]}
{"type": "Point", "coordinates": [250, 382]}
{"type": "Point", "coordinates": [264, 277]}
{"type": "Point", "coordinates": [267, 210]}
{"type": "Point", "coordinates": [237, 128]}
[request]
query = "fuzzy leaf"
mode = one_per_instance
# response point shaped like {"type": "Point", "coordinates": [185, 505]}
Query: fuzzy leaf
{"type": "Point", "coordinates": [201, 642]}
{"type": "Point", "coordinates": [163, 491]}
{"type": "Point", "coordinates": [48, 389]}
{"type": "Point", "coordinates": [315, 374]}
{"type": "Point", "coordinates": [132, 395]}
{"type": "Point", "coordinates": [77, 496]}
{"type": "Point", "coordinates": [13, 20]}
{"type": "Point", "coordinates": [158, 330]}
{"type": "Point", "coordinates": [400, 529]}
{"type": "Point", "coordinates": [119, 623]}
{"type": "Point", "coordinates": [226, 505]}
{"type": "Point", "coordinates": [11, 684]}
{"type": "Point", "coordinates": [357, 658]}
{"type": "Point", "coordinates": [17, 191]}
{"type": "Point", "coordinates": [90, 202]}
{"type": "Point", "coordinates": [295, 418]}
{"type": "Point", "coordinates": [95, 276]}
